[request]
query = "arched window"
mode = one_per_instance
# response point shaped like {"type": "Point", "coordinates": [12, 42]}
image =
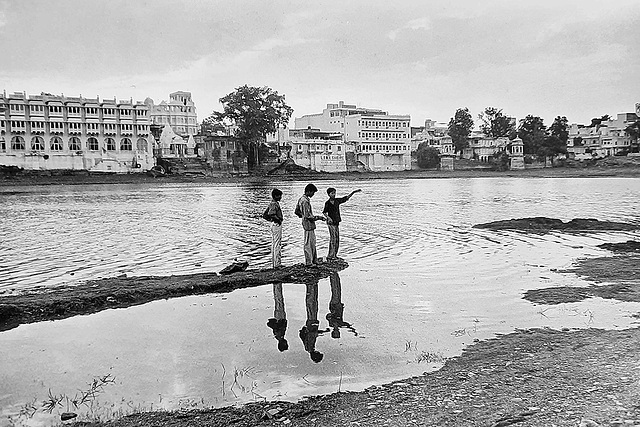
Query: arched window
{"type": "Point", "coordinates": [125, 145]}
{"type": "Point", "coordinates": [75, 144]}
{"type": "Point", "coordinates": [110, 144]}
{"type": "Point", "coordinates": [92, 144]}
{"type": "Point", "coordinates": [17, 143]}
{"type": "Point", "coordinates": [142, 145]}
{"type": "Point", "coordinates": [56, 143]}
{"type": "Point", "coordinates": [37, 143]}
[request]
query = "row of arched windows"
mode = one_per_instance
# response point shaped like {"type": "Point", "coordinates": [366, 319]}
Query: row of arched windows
{"type": "Point", "coordinates": [75, 144]}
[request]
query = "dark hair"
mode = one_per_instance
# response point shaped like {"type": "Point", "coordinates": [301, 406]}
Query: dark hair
{"type": "Point", "coordinates": [330, 190]}
{"type": "Point", "coordinates": [275, 193]}
{"type": "Point", "coordinates": [316, 356]}
{"type": "Point", "coordinates": [310, 187]}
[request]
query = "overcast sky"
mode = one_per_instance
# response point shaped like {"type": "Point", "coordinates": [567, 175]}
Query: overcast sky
{"type": "Point", "coordinates": [579, 59]}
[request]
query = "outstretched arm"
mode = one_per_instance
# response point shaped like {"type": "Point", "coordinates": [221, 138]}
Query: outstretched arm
{"type": "Point", "coordinates": [353, 192]}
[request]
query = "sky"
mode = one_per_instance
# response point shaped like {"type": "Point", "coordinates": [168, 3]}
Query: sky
{"type": "Point", "coordinates": [427, 58]}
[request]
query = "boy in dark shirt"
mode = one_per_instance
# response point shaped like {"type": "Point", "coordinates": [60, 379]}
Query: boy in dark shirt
{"type": "Point", "coordinates": [331, 212]}
{"type": "Point", "coordinates": [274, 215]}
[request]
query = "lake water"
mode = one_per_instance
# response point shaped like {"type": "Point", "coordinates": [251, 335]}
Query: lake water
{"type": "Point", "coordinates": [422, 284]}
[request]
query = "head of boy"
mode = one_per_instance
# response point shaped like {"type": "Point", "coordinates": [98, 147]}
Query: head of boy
{"type": "Point", "coordinates": [276, 194]}
{"type": "Point", "coordinates": [310, 190]}
{"type": "Point", "coordinates": [331, 192]}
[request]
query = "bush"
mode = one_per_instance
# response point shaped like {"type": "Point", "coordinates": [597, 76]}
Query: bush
{"type": "Point", "coordinates": [427, 157]}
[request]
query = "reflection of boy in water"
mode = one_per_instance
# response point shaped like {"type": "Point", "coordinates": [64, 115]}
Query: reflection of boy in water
{"type": "Point", "coordinates": [336, 308]}
{"type": "Point", "coordinates": [309, 332]}
{"type": "Point", "coordinates": [278, 323]}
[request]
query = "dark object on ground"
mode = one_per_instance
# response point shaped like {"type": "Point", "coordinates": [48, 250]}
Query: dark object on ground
{"type": "Point", "coordinates": [235, 267]}
{"type": "Point", "coordinates": [66, 416]}
{"type": "Point", "coordinates": [290, 167]}
{"type": "Point", "coordinates": [628, 246]}
{"type": "Point", "coordinates": [156, 171]}
{"type": "Point", "coordinates": [541, 223]}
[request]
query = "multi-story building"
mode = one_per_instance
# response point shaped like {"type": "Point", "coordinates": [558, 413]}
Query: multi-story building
{"type": "Point", "coordinates": [604, 139]}
{"type": "Point", "coordinates": [382, 142]}
{"type": "Point", "coordinates": [332, 118]}
{"type": "Point", "coordinates": [318, 150]}
{"type": "Point", "coordinates": [179, 113]}
{"type": "Point", "coordinates": [50, 132]}
{"type": "Point", "coordinates": [379, 141]}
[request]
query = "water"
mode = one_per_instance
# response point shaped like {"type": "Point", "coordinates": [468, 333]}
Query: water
{"type": "Point", "coordinates": [422, 284]}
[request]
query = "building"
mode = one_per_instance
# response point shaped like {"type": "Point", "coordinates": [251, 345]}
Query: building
{"type": "Point", "coordinates": [51, 132]}
{"type": "Point", "coordinates": [318, 150]}
{"type": "Point", "coordinates": [179, 113]}
{"type": "Point", "coordinates": [332, 118]}
{"type": "Point", "coordinates": [607, 138]}
{"type": "Point", "coordinates": [382, 142]}
{"type": "Point", "coordinates": [379, 141]}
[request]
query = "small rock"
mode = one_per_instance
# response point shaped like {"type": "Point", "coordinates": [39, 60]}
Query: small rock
{"type": "Point", "coordinates": [65, 416]}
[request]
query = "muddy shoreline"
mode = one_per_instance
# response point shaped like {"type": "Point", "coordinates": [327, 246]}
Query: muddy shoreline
{"type": "Point", "coordinates": [46, 178]}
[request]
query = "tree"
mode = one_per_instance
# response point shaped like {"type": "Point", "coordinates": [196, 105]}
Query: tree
{"type": "Point", "coordinates": [496, 125]}
{"type": "Point", "coordinates": [428, 157]}
{"type": "Point", "coordinates": [211, 126]}
{"type": "Point", "coordinates": [532, 131]}
{"type": "Point", "coordinates": [560, 128]}
{"type": "Point", "coordinates": [633, 130]}
{"type": "Point", "coordinates": [460, 128]}
{"type": "Point", "coordinates": [551, 147]}
{"type": "Point", "coordinates": [256, 111]}
{"type": "Point", "coordinates": [597, 121]}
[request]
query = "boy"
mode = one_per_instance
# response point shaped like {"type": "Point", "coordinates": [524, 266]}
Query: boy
{"type": "Point", "coordinates": [331, 213]}
{"type": "Point", "coordinates": [309, 225]}
{"type": "Point", "coordinates": [274, 215]}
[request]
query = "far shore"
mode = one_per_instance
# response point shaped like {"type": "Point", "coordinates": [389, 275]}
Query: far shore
{"type": "Point", "coordinates": [84, 178]}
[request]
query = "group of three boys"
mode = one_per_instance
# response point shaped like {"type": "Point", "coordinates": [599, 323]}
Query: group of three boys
{"type": "Point", "coordinates": [330, 214]}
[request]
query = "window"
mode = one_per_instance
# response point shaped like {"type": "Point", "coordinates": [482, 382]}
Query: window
{"type": "Point", "coordinates": [3, 145]}
{"type": "Point", "coordinates": [16, 107]}
{"type": "Point", "coordinates": [125, 144]}
{"type": "Point", "coordinates": [92, 144]}
{"type": "Point", "coordinates": [92, 111]}
{"type": "Point", "coordinates": [56, 126]}
{"type": "Point", "coordinates": [110, 144]}
{"type": "Point", "coordinates": [142, 145]}
{"type": "Point", "coordinates": [55, 109]}
{"type": "Point", "coordinates": [75, 144]}
{"type": "Point", "coordinates": [75, 127]}
{"type": "Point", "coordinates": [56, 143]}
{"type": "Point", "coordinates": [73, 110]}
{"type": "Point", "coordinates": [17, 143]}
{"type": "Point", "coordinates": [17, 125]}
{"type": "Point", "coordinates": [37, 143]}
{"type": "Point", "coordinates": [125, 112]}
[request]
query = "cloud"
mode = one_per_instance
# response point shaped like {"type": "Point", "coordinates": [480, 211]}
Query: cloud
{"type": "Point", "coordinates": [414, 24]}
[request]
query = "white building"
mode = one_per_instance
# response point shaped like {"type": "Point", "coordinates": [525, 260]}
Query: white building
{"type": "Point", "coordinates": [50, 132]}
{"type": "Point", "coordinates": [179, 113]}
{"type": "Point", "coordinates": [606, 139]}
{"type": "Point", "coordinates": [381, 142]}
{"type": "Point", "coordinates": [317, 150]}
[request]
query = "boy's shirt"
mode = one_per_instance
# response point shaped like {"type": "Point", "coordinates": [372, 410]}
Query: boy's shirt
{"type": "Point", "coordinates": [274, 212]}
{"type": "Point", "coordinates": [333, 209]}
{"type": "Point", "coordinates": [308, 222]}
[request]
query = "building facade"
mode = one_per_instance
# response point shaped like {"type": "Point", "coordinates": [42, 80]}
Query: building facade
{"type": "Point", "coordinates": [377, 140]}
{"type": "Point", "coordinates": [382, 142]}
{"type": "Point", "coordinates": [605, 139]}
{"type": "Point", "coordinates": [51, 132]}
{"type": "Point", "coordinates": [179, 113]}
{"type": "Point", "coordinates": [318, 150]}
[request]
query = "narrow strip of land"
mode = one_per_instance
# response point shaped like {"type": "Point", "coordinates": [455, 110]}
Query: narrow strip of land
{"type": "Point", "coordinates": [97, 295]}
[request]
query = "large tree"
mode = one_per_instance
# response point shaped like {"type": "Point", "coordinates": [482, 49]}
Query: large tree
{"type": "Point", "coordinates": [495, 124]}
{"type": "Point", "coordinates": [532, 131]}
{"type": "Point", "coordinates": [460, 128]}
{"type": "Point", "coordinates": [597, 121]}
{"type": "Point", "coordinates": [560, 129]}
{"type": "Point", "coordinates": [256, 112]}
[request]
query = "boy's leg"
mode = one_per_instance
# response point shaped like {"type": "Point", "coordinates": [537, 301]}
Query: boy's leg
{"type": "Point", "coordinates": [314, 253]}
{"type": "Point", "coordinates": [308, 251]}
{"type": "Point", "coordinates": [276, 245]}
{"type": "Point", "coordinates": [333, 241]}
